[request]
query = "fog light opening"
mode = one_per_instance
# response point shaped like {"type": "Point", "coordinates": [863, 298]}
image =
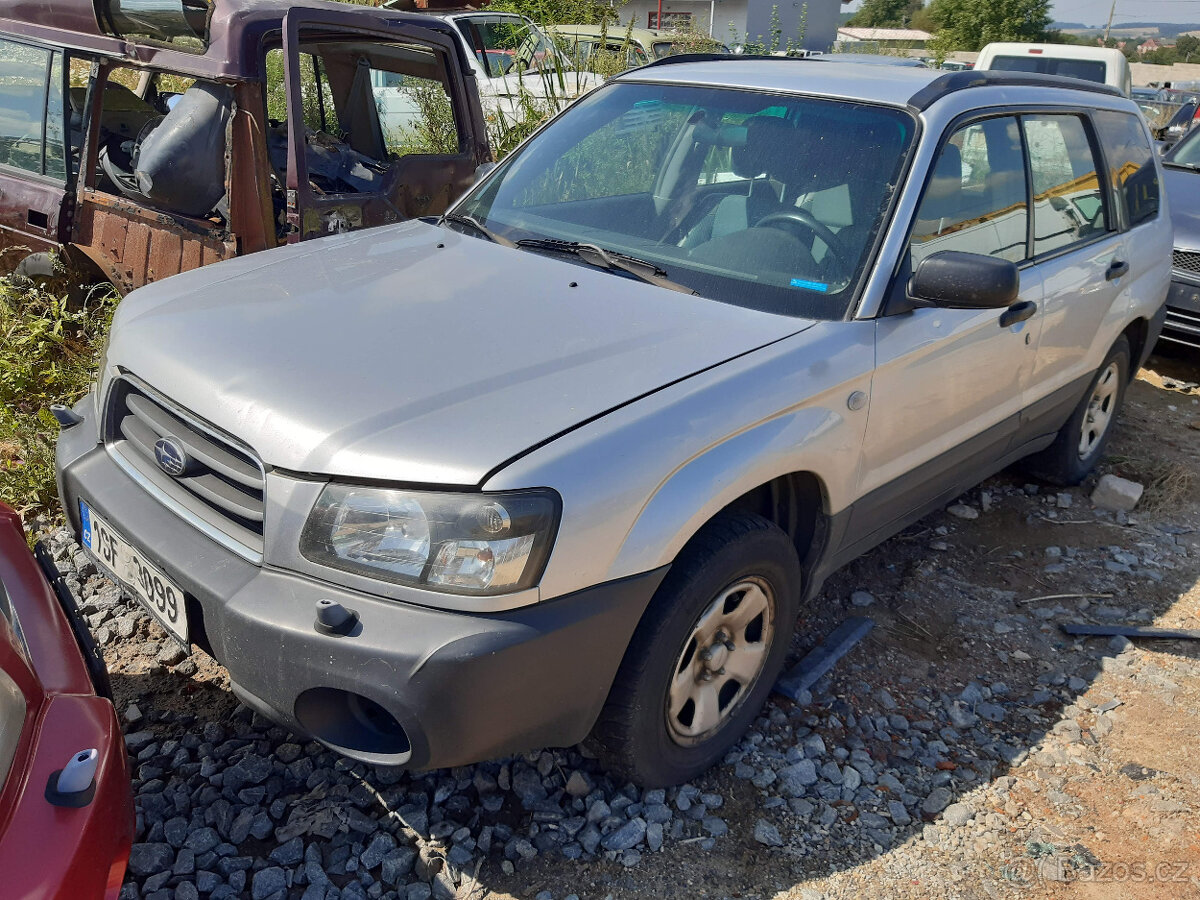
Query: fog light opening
{"type": "Point", "coordinates": [353, 724]}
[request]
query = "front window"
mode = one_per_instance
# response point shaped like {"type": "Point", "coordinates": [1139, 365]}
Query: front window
{"type": "Point", "coordinates": [764, 201]}
{"type": "Point", "coordinates": [507, 45]}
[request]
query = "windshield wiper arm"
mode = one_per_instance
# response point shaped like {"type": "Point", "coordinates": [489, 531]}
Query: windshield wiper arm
{"type": "Point", "coordinates": [472, 222]}
{"type": "Point", "coordinates": [641, 269]}
{"type": "Point", "coordinates": [1195, 167]}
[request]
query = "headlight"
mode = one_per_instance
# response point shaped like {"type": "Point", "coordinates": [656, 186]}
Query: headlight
{"type": "Point", "coordinates": [458, 543]}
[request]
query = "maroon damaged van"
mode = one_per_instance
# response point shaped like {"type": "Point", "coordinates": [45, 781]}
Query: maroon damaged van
{"type": "Point", "coordinates": [141, 138]}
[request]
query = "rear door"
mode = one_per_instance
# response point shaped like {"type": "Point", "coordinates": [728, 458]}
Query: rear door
{"type": "Point", "coordinates": [381, 125]}
{"type": "Point", "coordinates": [34, 152]}
{"type": "Point", "coordinates": [1083, 261]}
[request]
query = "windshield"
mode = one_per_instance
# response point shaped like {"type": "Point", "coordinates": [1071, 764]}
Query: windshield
{"type": "Point", "coordinates": [507, 45]}
{"type": "Point", "coordinates": [1186, 152]}
{"type": "Point", "coordinates": [1087, 69]}
{"type": "Point", "coordinates": [760, 200]}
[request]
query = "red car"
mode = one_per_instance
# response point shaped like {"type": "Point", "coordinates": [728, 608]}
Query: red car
{"type": "Point", "coordinates": [66, 808]}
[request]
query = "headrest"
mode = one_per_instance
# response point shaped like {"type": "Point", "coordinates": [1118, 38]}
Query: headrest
{"type": "Point", "coordinates": [769, 142]}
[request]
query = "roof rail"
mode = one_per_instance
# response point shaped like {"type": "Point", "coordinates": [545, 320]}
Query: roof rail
{"type": "Point", "coordinates": [706, 57]}
{"type": "Point", "coordinates": [960, 81]}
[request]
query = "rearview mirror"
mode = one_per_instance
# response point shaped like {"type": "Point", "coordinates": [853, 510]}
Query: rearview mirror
{"type": "Point", "coordinates": [960, 280]}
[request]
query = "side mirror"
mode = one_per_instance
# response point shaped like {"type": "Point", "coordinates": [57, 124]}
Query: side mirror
{"type": "Point", "coordinates": [481, 170]}
{"type": "Point", "coordinates": [958, 280]}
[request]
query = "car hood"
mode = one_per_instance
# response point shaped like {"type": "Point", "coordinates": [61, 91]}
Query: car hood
{"type": "Point", "coordinates": [416, 354]}
{"type": "Point", "coordinates": [1182, 187]}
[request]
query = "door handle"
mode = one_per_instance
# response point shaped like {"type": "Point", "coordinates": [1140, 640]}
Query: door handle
{"type": "Point", "coordinates": [1018, 312]}
{"type": "Point", "coordinates": [1116, 269]}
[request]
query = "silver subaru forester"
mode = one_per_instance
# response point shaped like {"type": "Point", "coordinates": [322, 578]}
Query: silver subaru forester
{"type": "Point", "coordinates": [567, 461]}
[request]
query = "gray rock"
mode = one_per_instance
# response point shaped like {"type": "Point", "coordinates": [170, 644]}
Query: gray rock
{"type": "Point", "coordinates": [851, 778]}
{"type": "Point", "coordinates": [146, 859]}
{"type": "Point", "coordinates": [960, 716]}
{"type": "Point", "coordinates": [381, 845]}
{"type": "Point", "coordinates": [396, 865]}
{"type": "Point", "coordinates": [268, 882]}
{"type": "Point", "coordinates": [418, 891]}
{"type": "Point", "coordinates": [862, 599]}
{"type": "Point", "coordinates": [627, 836]}
{"type": "Point", "coordinates": [715, 826]}
{"type": "Point", "coordinates": [898, 813]}
{"type": "Point", "coordinates": [654, 836]}
{"type": "Point", "coordinates": [962, 511]}
{"type": "Point", "coordinates": [289, 853]}
{"type": "Point", "coordinates": [578, 784]}
{"type": "Point", "coordinates": [1117, 494]}
{"type": "Point", "coordinates": [937, 800]}
{"type": "Point", "coordinates": [171, 654]}
{"type": "Point", "coordinates": [138, 741]}
{"type": "Point", "coordinates": [767, 834]}
{"type": "Point", "coordinates": [795, 778]}
{"type": "Point", "coordinates": [956, 815]}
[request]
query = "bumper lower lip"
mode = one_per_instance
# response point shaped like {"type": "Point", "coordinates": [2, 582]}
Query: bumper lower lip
{"type": "Point", "coordinates": [462, 687]}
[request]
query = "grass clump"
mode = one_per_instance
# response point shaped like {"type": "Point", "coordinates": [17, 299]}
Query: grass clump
{"type": "Point", "coordinates": [48, 354]}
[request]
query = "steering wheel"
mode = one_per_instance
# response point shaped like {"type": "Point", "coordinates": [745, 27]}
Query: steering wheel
{"type": "Point", "coordinates": [836, 247]}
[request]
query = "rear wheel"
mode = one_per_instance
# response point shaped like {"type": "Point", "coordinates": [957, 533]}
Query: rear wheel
{"type": "Point", "coordinates": [1080, 443]}
{"type": "Point", "coordinates": [705, 655]}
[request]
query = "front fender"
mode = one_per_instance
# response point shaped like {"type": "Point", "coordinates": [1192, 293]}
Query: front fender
{"type": "Point", "coordinates": [638, 482]}
{"type": "Point", "coordinates": [705, 485]}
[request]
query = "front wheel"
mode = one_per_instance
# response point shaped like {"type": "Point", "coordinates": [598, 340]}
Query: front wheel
{"type": "Point", "coordinates": [1080, 443]}
{"type": "Point", "coordinates": [705, 655]}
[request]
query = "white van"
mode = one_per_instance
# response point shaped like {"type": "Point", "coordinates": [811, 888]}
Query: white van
{"type": "Point", "coordinates": [1102, 64]}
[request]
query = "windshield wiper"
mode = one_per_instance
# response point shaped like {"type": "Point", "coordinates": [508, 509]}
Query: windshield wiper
{"type": "Point", "coordinates": [473, 223]}
{"type": "Point", "coordinates": [1195, 167]}
{"type": "Point", "coordinates": [591, 254]}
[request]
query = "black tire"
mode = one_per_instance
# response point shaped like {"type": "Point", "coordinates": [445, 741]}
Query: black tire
{"type": "Point", "coordinates": [634, 736]}
{"type": "Point", "coordinates": [1064, 462]}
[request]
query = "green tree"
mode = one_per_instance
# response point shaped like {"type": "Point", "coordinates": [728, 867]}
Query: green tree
{"type": "Point", "coordinates": [1187, 46]}
{"type": "Point", "coordinates": [886, 13]}
{"type": "Point", "coordinates": [970, 24]}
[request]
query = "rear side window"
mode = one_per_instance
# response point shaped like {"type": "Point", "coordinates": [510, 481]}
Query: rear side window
{"type": "Point", "coordinates": [1087, 69]}
{"type": "Point", "coordinates": [1068, 205]}
{"type": "Point", "coordinates": [975, 202]}
{"type": "Point", "coordinates": [1131, 169]}
{"type": "Point", "coordinates": [31, 109]}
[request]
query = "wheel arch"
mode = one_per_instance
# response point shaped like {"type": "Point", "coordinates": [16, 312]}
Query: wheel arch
{"type": "Point", "coordinates": [1137, 333]}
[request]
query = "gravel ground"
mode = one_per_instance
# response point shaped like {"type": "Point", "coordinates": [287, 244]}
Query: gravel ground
{"type": "Point", "coordinates": [967, 748]}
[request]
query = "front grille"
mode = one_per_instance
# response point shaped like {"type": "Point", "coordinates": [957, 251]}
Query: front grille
{"type": "Point", "coordinates": [1182, 327]}
{"type": "Point", "coordinates": [1186, 261]}
{"type": "Point", "coordinates": [223, 484]}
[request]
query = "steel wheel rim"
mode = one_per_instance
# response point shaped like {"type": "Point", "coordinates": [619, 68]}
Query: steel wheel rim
{"type": "Point", "coordinates": [1099, 414]}
{"type": "Point", "coordinates": [721, 661]}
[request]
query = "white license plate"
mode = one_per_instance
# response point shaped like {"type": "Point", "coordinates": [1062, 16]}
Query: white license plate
{"type": "Point", "coordinates": [161, 596]}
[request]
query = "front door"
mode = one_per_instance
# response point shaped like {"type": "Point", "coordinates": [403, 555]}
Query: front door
{"type": "Point", "coordinates": [948, 385]}
{"type": "Point", "coordinates": [379, 126]}
{"type": "Point", "coordinates": [34, 150]}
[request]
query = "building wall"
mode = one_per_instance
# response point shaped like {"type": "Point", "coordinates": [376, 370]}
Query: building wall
{"type": "Point", "coordinates": [750, 19]}
{"type": "Point", "coordinates": [702, 11]}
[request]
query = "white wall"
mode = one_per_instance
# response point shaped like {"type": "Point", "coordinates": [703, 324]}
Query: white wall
{"type": "Point", "coordinates": [726, 11]}
{"type": "Point", "coordinates": [751, 19]}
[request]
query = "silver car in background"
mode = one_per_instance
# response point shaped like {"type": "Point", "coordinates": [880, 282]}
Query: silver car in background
{"type": "Point", "coordinates": [568, 461]}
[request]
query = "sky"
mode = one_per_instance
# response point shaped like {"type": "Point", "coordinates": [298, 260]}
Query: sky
{"type": "Point", "coordinates": [1095, 12]}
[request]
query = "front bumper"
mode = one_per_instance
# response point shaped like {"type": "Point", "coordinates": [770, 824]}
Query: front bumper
{"type": "Point", "coordinates": [410, 686]}
{"type": "Point", "coordinates": [1182, 325]}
